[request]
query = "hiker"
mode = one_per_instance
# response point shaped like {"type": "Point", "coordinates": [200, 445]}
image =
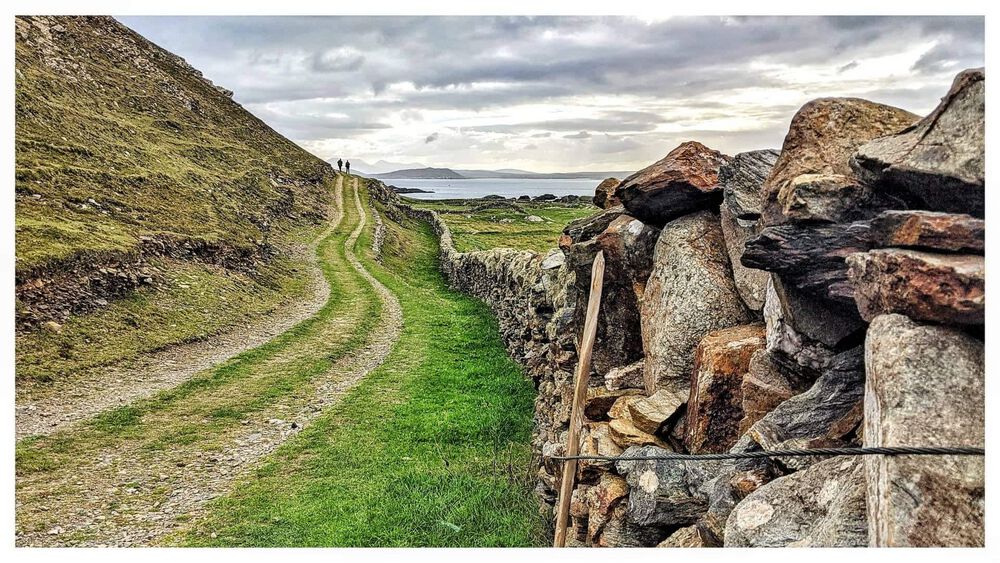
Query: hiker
{"type": "Point", "coordinates": [340, 164]}
{"type": "Point", "coordinates": [348, 166]}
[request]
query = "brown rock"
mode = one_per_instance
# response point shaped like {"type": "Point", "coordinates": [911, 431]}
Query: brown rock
{"type": "Point", "coordinates": [940, 162]}
{"type": "Point", "coordinates": [764, 387]}
{"type": "Point", "coordinates": [715, 406]}
{"type": "Point", "coordinates": [690, 293]}
{"type": "Point", "coordinates": [649, 413]}
{"type": "Point", "coordinates": [825, 198]}
{"type": "Point", "coordinates": [925, 387]}
{"type": "Point", "coordinates": [604, 195]}
{"type": "Point", "coordinates": [929, 230]}
{"type": "Point", "coordinates": [933, 287]}
{"type": "Point", "coordinates": [602, 500]}
{"type": "Point", "coordinates": [684, 181]}
{"type": "Point", "coordinates": [625, 434]}
{"type": "Point", "coordinates": [586, 228]}
{"type": "Point", "coordinates": [601, 399]}
{"type": "Point", "coordinates": [690, 536]}
{"type": "Point", "coordinates": [595, 439]}
{"type": "Point", "coordinates": [823, 135]}
{"type": "Point", "coordinates": [628, 246]}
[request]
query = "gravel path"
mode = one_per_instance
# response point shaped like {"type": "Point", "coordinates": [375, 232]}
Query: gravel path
{"type": "Point", "coordinates": [129, 496]}
{"type": "Point", "coordinates": [45, 408]}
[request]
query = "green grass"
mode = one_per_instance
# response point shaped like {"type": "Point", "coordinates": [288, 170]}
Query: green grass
{"type": "Point", "coordinates": [503, 227]}
{"type": "Point", "coordinates": [155, 146]}
{"type": "Point", "coordinates": [429, 450]}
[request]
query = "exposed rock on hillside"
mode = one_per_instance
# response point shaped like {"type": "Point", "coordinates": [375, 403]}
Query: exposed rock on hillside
{"type": "Point", "coordinates": [684, 181]}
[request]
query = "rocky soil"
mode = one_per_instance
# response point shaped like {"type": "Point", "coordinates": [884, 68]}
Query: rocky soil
{"type": "Point", "coordinates": [827, 294]}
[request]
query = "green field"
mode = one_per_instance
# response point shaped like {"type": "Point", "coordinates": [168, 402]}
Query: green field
{"type": "Point", "coordinates": [474, 227]}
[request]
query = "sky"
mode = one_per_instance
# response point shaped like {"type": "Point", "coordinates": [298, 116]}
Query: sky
{"type": "Point", "coordinates": [553, 94]}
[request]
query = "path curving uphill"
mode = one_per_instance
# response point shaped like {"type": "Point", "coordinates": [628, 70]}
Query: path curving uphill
{"type": "Point", "coordinates": [42, 410]}
{"type": "Point", "coordinates": [133, 474]}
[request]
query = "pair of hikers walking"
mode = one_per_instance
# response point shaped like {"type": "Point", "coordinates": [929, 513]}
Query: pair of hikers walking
{"type": "Point", "coordinates": [340, 165]}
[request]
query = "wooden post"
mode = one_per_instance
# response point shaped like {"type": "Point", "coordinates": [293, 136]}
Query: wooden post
{"type": "Point", "coordinates": [579, 399]}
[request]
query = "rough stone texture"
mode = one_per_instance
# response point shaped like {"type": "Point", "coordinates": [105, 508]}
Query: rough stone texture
{"type": "Point", "coordinates": [948, 288]}
{"type": "Point", "coordinates": [828, 413]}
{"type": "Point", "coordinates": [601, 399]}
{"type": "Point", "coordinates": [690, 536]}
{"type": "Point", "coordinates": [649, 413]}
{"type": "Point", "coordinates": [751, 283]}
{"type": "Point", "coordinates": [822, 506]}
{"type": "Point", "coordinates": [660, 491]}
{"type": "Point", "coordinates": [929, 230]}
{"type": "Point", "coordinates": [764, 387]}
{"type": "Point", "coordinates": [925, 388]}
{"type": "Point", "coordinates": [827, 198]}
{"type": "Point", "coordinates": [822, 136]}
{"type": "Point", "coordinates": [690, 293]}
{"type": "Point", "coordinates": [628, 245]}
{"type": "Point", "coordinates": [602, 500]}
{"type": "Point", "coordinates": [715, 405]}
{"type": "Point", "coordinates": [586, 228]}
{"type": "Point", "coordinates": [786, 345]}
{"type": "Point", "coordinates": [604, 194]}
{"type": "Point", "coordinates": [940, 161]}
{"type": "Point", "coordinates": [625, 433]}
{"type": "Point", "coordinates": [625, 377]}
{"type": "Point", "coordinates": [684, 181]}
{"type": "Point", "coordinates": [741, 179]}
{"type": "Point", "coordinates": [595, 439]}
{"type": "Point", "coordinates": [811, 257]}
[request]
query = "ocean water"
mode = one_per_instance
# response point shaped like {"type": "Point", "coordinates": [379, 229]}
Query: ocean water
{"type": "Point", "coordinates": [480, 187]}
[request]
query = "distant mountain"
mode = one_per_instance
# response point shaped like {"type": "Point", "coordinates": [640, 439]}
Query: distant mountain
{"type": "Point", "coordinates": [379, 167]}
{"type": "Point", "coordinates": [422, 173]}
{"type": "Point", "coordinates": [526, 175]}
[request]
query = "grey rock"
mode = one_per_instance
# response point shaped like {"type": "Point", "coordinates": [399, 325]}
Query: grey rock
{"type": "Point", "coordinates": [741, 179]}
{"type": "Point", "coordinates": [925, 388]}
{"type": "Point", "coordinates": [786, 345]}
{"type": "Point", "coordinates": [660, 491]}
{"type": "Point", "coordinates": [750, 282]}
{"type": "Point", "coordinates": [690, 293]}
{"type": "Point", "coordinates": [822, 506]}
{"type": "Point", "coordinates": [940, 161]}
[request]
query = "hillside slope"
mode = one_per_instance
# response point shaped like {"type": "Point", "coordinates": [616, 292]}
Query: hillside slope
{"type": "Point", "coordinates": [124, 152]}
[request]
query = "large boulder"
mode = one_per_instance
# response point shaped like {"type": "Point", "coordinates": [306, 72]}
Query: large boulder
{"type": "Point", "coordinates": [689, 293]}
{"type": "Point", "coordinates": [925, 387]}
{"type": "Point", "coordinates": [586, 228]}
{"type": "Point", "coordinates": [822, 506]}
{"type": "Point", "coordinates": [822, 137]}
{"type": "Point", "coordinates": [741, 179]}
{"type": "Point", "coordinates": [949, 288]}
{"type": "Point", "coordinates": [684, 181]}
{"type": "Point", "coordinates": [715, 404]}
{"type": "Point", "coordinates": [604, 194]}
{"type": "Point", "coordinates": [940, 162]}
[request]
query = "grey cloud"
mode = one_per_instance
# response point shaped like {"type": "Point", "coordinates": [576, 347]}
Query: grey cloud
{"type": "Point", "coordinates": [432, 137]}
{"type": "Point", "coordinates": [580, 135]}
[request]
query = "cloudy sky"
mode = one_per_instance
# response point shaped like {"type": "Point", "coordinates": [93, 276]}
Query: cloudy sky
{"type": "Point", "coordinates": [559, 94]}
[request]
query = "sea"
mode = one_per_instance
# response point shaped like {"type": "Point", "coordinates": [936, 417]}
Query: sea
{"type": "Point", "coordinates": [506, 187]}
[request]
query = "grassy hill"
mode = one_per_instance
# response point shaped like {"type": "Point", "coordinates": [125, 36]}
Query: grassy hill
{"type": "Point", "coordinates": [135, 177]}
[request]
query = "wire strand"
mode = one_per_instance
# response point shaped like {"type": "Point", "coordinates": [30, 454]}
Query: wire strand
{"type": "Point", "coordinates": [891, 450]}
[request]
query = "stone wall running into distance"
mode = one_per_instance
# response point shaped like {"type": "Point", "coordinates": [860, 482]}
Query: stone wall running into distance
{"type": "Point", "coordinates": [827, 294]}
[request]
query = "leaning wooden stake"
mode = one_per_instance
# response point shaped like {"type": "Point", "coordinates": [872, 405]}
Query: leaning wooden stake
{"type": "Point", "coordinates": [579, 399]}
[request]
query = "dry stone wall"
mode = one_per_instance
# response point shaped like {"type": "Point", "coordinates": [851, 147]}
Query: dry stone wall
{"type": "Point", "coordinates": [828, 294]}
